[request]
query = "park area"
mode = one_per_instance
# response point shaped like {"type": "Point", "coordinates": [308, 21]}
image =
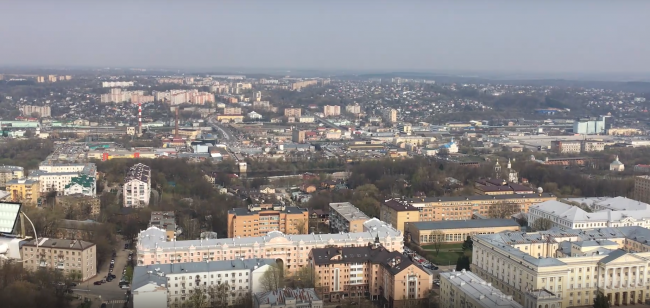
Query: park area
{"type": "Point", "coordinates": [446, 255]}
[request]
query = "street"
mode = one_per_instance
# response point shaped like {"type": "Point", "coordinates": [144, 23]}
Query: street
{"type": "Point", "coordinates": [108, 292]}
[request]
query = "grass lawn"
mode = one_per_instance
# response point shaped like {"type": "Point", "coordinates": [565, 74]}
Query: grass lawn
{"type": "Point", "coordinates": [448, 254]}
{"type": "Point", "coordinates": [444, 258]}
{"type": "Point", "coordinates": [445, 247]}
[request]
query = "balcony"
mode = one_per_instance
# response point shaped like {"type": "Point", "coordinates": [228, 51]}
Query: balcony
{"type": "Point", "coordinates": [60, 266]}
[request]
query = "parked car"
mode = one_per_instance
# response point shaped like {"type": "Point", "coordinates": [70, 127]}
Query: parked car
{"type": "Point", "coordinates": [109, 279]}
{"type": "Point", "coordinates": [97, 283]}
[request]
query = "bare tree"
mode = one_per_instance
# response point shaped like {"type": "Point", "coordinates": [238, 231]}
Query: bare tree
{"type": "Point", "coordinates": [437, 238]}
{"type": "Point", "coordinates": [541, 224]}
{"type": "Point", "coordinates": [503, 210]}
{"type": "Point", "coordinates": [198, 299]}
{"type": "Point", "coordinates": [273, 278]}
{"type": "Point", "coordinates": [219, 295]}
{"type": "Point", "coordinates": [301, 226]}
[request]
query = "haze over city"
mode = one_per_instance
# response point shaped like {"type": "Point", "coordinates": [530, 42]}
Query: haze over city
{"type": "Point", "coordinates": [508, 36]}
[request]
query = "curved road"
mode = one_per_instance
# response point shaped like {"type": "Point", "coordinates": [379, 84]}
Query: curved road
{"type": "Point", "coordinates": [213, 122]}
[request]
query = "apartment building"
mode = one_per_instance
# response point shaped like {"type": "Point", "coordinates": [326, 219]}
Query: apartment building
{"type": "Point", "coordinates": [331, 111]}
{"type": "Point", "coordinates": [465, 289]}
{"type": "Point", "coordinates": [397, 213]}
{"type": "Point", "coordinates": [81, 185]}
{"type": "Point", "coordinates": [306, 119]}
{"type": "Point", "coordinates": [51, 78]}
{"type": "Point", "coordinates": [354, 109]}
{"type": "Point", "coordinates": [39, 79]}
{"type": "Point", "coordinates": [55, 176]}
{"type": "Point", "coordinates": [293, 249]}
{"type": "Point", "coordinates": [592, 146]}
{"type": "Point", "coordinates": [389, 276]}
{"type": "Point", "coordinates": [456, 231]}
{"type": "Point", "coordinates": [566, 147]}
{"type": "Point", "coordinates": [293, 112]}
{"type": "Point", "coordinates": [223, 282]}
{"type": "Point", "coordinates": [345, 217]}
{"type": "Point", "coordinates": [8, 173]}
{"type": "Point", "coordinates": [41, 111]}
{"type": "Point", "coordinates": [69, 256]}
{"type": "Point", "coordinates": [287, 298]}
{"type": "Point", "coordinates": [165, 221]}
{"type": "Point", "coordinates": [464, 207]}
{"type": "Point", "coordinates": [390, 115]}
{"type": "Point", "coordinates": [298, 136]}
{"type": "Point", "coordinates": [642, 188]}
{"type": "Point", "coordinates": [24, 190]}
{"type": "Point", "coordinates": [116, 84]}
{"type": "Point", "coordinates": [571, 264]}
{"type": "Point", "coordinates": [232, 110]}
{"type": "Point", "coordinates": [137, 186]}
{"type": "Point", "coordinates": [301, 84]}
{"type": "Point", "coordinates": [259, 220]}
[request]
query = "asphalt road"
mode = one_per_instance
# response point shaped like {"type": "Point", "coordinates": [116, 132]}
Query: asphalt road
{"type": "Point", "coordinates": [226, 135]}
{"type": "Point", "coordinates": [109, 292]}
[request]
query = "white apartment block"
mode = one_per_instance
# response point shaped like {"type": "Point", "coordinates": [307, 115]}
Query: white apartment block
{"type": "Point", "coordinates": [137, 186]}
{"type": "Point", "coordinates": [173, 284]}
{"type": "Point", "coordinates": [465, 289]}
{"type": "Point", "coordinates": [55, 176]}
{"type": "Point", "coordinates": [115, 84]}
{"type": "Point", "coordinates": [567, 266]}
{"type": "Point", "coordinates": [293, 250]}
{"type": "Point", "coordinates": [43, 111]}
{"type": "Point", "coordinates": [608, 212]}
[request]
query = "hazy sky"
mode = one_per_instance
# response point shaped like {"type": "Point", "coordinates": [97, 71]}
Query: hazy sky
{"type": "Point", "coordinates": [540, 36]}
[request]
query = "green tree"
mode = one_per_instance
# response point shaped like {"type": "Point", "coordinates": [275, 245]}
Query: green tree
{"type": "Point", "coordinates": [463, 263]}
{"type": "Point", "coordinates": [468, 244]}
{"type": "Point", "coordinates": [601, 301]}
{"type": "Point", "coordinates": [541, 224]}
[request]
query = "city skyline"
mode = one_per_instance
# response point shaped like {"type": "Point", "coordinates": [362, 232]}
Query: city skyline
{"type": "Point", "coordinates": [560, 37]}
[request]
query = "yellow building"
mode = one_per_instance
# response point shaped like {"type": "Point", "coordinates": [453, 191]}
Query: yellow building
{"type": "Point", "coordinates": [259, 220]}
{"type": "Point", "coordinates": [67, 256]}
{"type": "Point", "coordinates": [570, 264]}
{"type": "Point", "coordinates": [398, 213]}
{"type": "Point", "coordinates": [26, 191]}
{"type": "Point", "coordinates": [455, 231]}
{"type": "Point", "coordinates": [464, 207]}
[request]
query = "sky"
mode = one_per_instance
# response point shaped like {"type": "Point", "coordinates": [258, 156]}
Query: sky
{"type": "Point", "coordinates": [408, 35]}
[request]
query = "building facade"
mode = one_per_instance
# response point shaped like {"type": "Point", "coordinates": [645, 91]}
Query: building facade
{"type": "Point", "coordinates": [292, 250]}
{"type": "Point", "coordinates": [224, 282]}
{"type": "Point", "coordinates": [349, 272]}
{"type": "Point", "coordinates": [69, 256]}
{"type": "Point", "coordinates": [83, 185]}
{"type": "Point", "coordinates": [454, 231]}
{"type": "Point", "coordinates": [293, 112]}
{"type": "Point", "coordinates": [570, 264]}
{"type": "Point", "coordinates": [257, 220]}
{"type": "Point", "coordinates": [345, 217]}
{"type": "Point", "coordinates": [137, 186]}
{"type": "Point", "coordinates": [642, 188]}
{"type": "Point", "coordinates": [24, 190]}
{"type": "Point", "coordinates": [464, 207]}
{"type": "Point", "coordinates": [331, 111]}
{"type": "Point", "coordinates": [398, 213]}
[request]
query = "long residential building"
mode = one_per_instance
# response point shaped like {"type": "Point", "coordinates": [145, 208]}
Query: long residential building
{"type": "Point", "coordinates": [224, 282]}
{"type": "Point", "coordinates": [55, 176]}
{"type": "Point", "coordinates": [464, 207]}
{"type": "Point", "coordinates": [455, 231]}
{"type": "Point", "coordinates": [137, 186]}
{"type": "Point", "coordinates": [257, 220]}
{"type": "Point", "coordinates": [42, 111]}
{"type": "Point", "coordinates": [293, 250]}
{"type": "Point", "coordinates": [571, 265]}
{"type": "Point", "coordinates": [385, 275]}
{"type": "Point", "coordinates": [69, 256]}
